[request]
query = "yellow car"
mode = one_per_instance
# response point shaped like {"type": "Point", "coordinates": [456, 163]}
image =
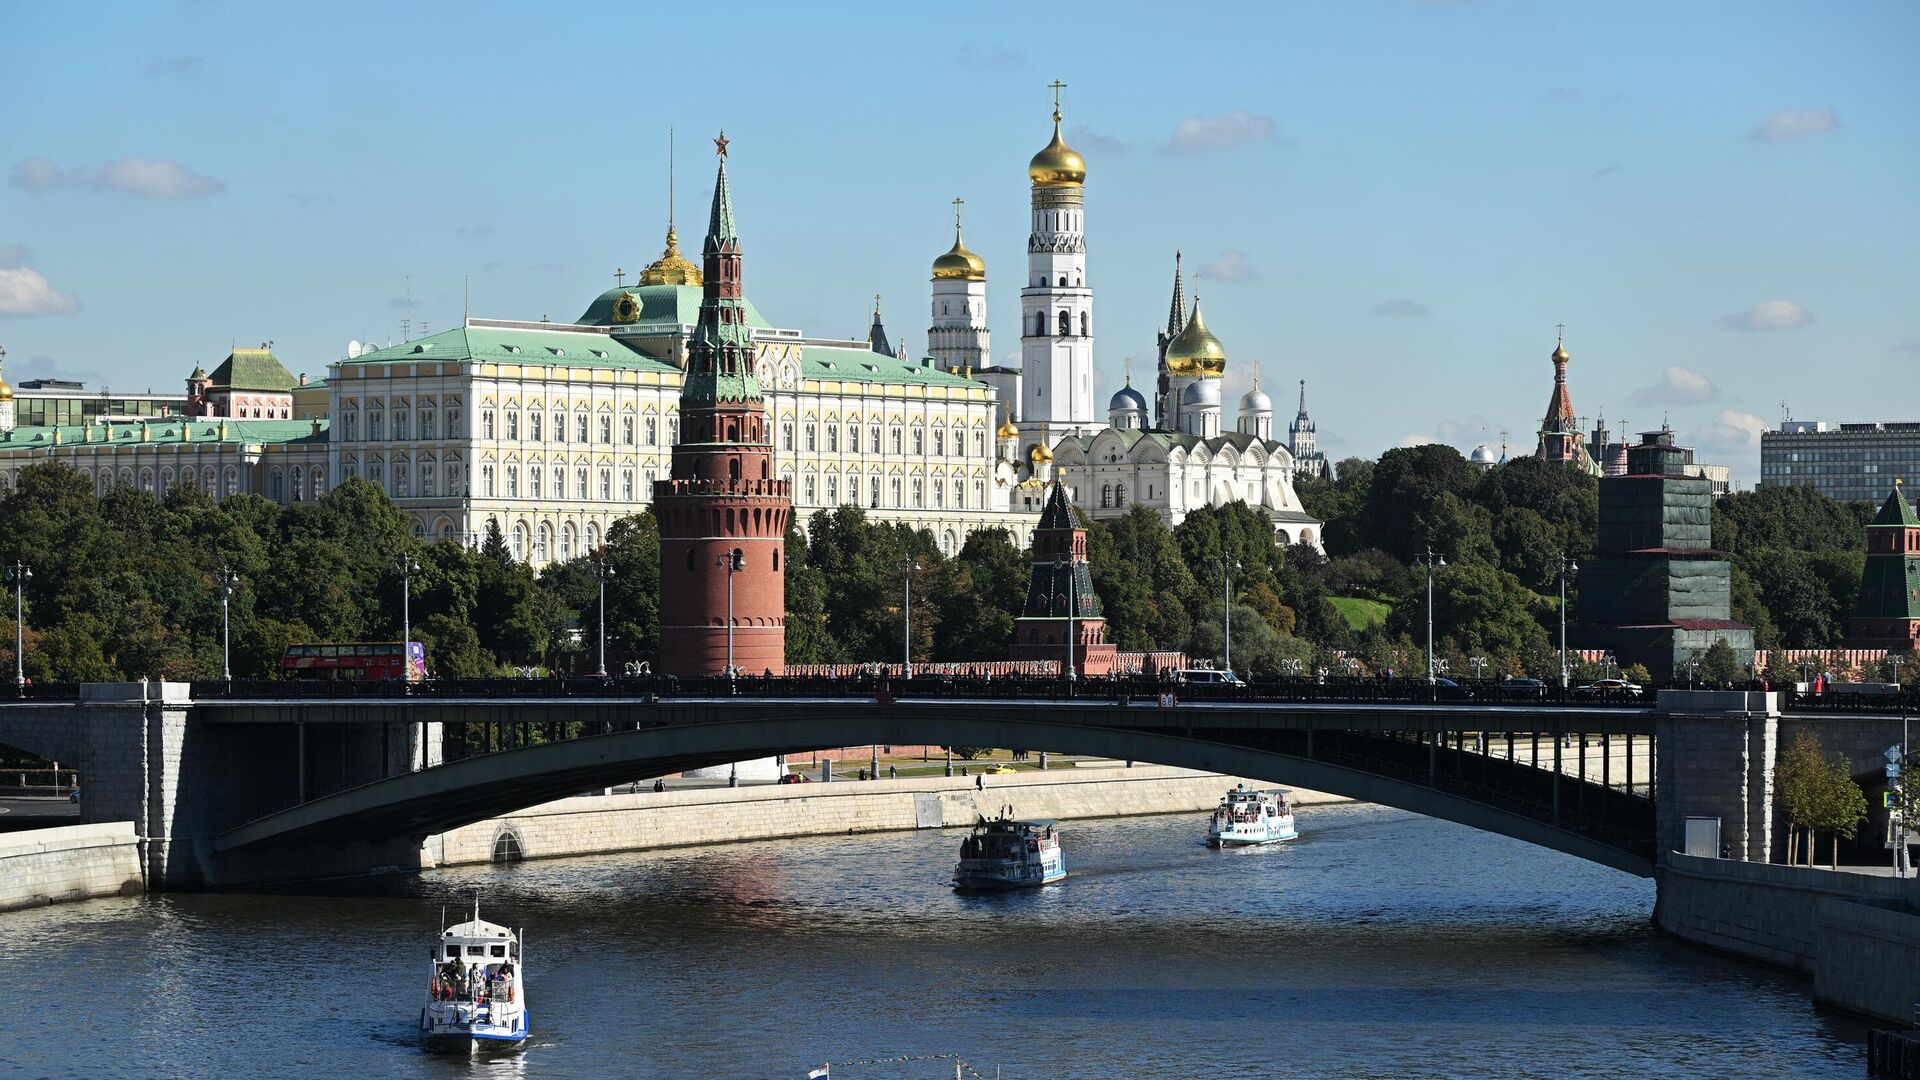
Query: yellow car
{"type": "Point", "coordinates": [998, 770]}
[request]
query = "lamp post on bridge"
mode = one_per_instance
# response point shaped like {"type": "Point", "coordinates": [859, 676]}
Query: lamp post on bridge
{"type": "Point", "coordinates": [907, 567]}
{"type": "Point", "coordinates": [1567, 568]}
{"type": "Point", "coordinates": [732, 563]}
{"type": "Point", "coordinates": [1432, 562]}
{"type": "Point", "coordinates": [19, 574]}
{"type": "Point", "coordinates": [406, 567]}
{"type": "Point", "coordinates": [603, 569]}
{"type": "Point", "coordinates": [1227, 567]}
{"type": "Point", "coordinates": [1479, 667]}
{"type": "Point", "coordinates": [227, 580]}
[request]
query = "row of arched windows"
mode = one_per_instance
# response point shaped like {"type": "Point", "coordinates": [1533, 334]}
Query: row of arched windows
{"type": "Point", "coordinates": [1065, 324]}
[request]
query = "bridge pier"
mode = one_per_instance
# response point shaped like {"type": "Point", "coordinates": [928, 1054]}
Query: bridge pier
{"type": "Point", "coordinates": [1717, 750]}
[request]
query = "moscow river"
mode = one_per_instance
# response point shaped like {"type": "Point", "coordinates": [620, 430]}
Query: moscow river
{"type": "Point", "coordinates": [1379, 944]}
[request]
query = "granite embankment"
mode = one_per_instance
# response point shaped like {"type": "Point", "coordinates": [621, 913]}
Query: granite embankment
{"type": "Point", "coordinates": [599, 824]}
{"type": "Point", "coordinates": [71, 862]}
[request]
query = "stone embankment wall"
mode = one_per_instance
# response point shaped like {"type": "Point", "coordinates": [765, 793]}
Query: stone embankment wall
{"type": "Point", "coordinates": [607, 823]}
{"type": "Point", "coordinates": [1855, 934]}
{"type": "Point", "coordinates": [73, 862]}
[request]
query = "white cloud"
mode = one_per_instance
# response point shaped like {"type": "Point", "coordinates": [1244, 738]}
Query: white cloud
{"type": "Point", "coordinates": [25, 291]}
{"type": "Point", "coordinates": [1201, 134]}
{"type": "Point", "coordinates": [1678, 386]}
{"type": "Point", "coordinates": [1401, 309]}
{"type": "Point", "coordinates": [1086, 139]}
{"type": "Point", "coordinates": [1768, 315]}
{"type": "Point", "coordinates": [153, 178]}
{"type": "Point", "coordinates": [1731, 439]}
{"type": "Point", "coordinates": [1230, 265]}
{"type": "Point", "coordinates": [1789, 124]}
{"type": "Point", "coordinates": [1415, 440]}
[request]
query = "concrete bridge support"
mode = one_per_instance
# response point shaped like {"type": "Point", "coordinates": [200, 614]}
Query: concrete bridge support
{"type": "Point", "coordinates": [1716, 759]}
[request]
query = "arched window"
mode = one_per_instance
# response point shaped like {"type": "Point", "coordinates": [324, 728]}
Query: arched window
{"type": "Point", "coordinates": [689, 558]}
{"type": "Point", "coordinates": [1066, 324]}
{"type": "Point", "coordinates": [1119, 494]}
{"type": "Point", "coordinates": [733, 469]}
{"type": "Point", "coordinates": [1106, 496]}
{"type": "Point", "coordinates": [776, 561]}
{"type": "Point", "coordinates": [1063, 281]}
{"type": "Point", "coordinates": [1039, 324]}
{"type": "Point", "coordinates": [1086, 324]}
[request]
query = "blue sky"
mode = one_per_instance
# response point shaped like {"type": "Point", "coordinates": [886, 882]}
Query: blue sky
{"type": "Point", "coordinates": [1395, 201]}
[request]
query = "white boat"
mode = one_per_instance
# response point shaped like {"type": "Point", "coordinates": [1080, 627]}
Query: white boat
{"type": "Point", "coordinates": [1003, 853]}
{"type": "Point", "coordinates": [1246, 818]}
{"type": "Point", "coordinates": [476, 1000]}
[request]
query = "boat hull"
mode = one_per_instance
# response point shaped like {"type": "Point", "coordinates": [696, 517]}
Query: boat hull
{"type": "Point", "coordinates": [1229, 840]}
{"type": "Point", "coordinates": [997, 883]}
{"type": "Point", "coordinates": [462, 1039]}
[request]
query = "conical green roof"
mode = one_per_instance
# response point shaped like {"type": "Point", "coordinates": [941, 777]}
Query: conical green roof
{"type": "Point", "coordinates": [1058, 513]}
{"type": "Point", "coordinates": [1895, 512]}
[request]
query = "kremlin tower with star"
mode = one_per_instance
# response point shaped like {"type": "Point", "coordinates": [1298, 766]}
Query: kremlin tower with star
{"type": "Point", "coordinates": [723, 515]}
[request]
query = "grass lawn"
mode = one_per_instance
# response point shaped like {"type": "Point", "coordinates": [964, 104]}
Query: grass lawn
{"type": "Point", "coordinates": [1360, 613]}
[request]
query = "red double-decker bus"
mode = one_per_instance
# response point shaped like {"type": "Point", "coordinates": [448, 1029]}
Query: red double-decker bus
{"type": "Point", "coordinates": [356, 661]}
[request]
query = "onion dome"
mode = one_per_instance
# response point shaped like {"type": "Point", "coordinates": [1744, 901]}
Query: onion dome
{"type": "Point", "coordinates": [671, 268]}
{"type": "Point", "coordinates": [1195, 351]}
{"type": "Point", "coordinates": [1127, 399]}
{"type": "Point", "coordinates": [1040, 455]}
{"type": "Point", "coordinates": [6, 392]}
{"type": "Point", "coordinates": [1483, 455]}
{"type": "Point", "coordinates": [1007, 431]}
{"type": "Point", "coordinates": [1203, 394]}
{"type": "Point", "coordinates": [1057, 165]}
{"type": "Point", "coordinates": [1256, 400]}
{"type": "Point", "coordinates": [959, 264]}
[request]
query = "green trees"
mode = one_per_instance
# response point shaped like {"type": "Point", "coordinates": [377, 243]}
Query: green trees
{"type": "Point", "coordinates": [1797, 558]}
{"type": "Point", "coordinates": [1817, 795]}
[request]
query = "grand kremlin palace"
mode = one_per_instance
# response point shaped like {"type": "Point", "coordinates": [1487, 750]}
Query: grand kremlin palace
{"type": "Point", "coordinates": [553, 431]}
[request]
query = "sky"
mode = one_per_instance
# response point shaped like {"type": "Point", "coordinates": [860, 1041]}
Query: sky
{"type": "Point", "coordinates": [1395, 201]}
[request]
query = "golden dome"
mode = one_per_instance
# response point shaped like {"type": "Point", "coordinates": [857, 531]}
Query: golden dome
{"type": "Point", "coordinates": [1007, 431]}
{"type": "Point", "coordinates": [959, 264]}
{"type": "Point", "coordinates": [6, 392]}
{"type": "Point", "coordinates": [1195, 351]}
{"type": "Point", "coordinates": [1040, 455]}
{"type": "Point", "coordinates": [1057, 165]}
{"type": "Point", "coordinates": [671, 268]}
{"type": "Point", "coordinates": [1560, 353]}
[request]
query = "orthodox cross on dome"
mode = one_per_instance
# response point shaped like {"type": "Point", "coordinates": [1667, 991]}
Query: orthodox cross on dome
{"type": "Point", "coordinates": [957, 204]}
{"type": "Point", "coordinates": [720, 144]}
{"type": "Point", "coordinates": [1056, 86]}
{"type": "Point", "coordinates": [1560, 333]}
{"type": "Point", "coordinates": [619, 277]}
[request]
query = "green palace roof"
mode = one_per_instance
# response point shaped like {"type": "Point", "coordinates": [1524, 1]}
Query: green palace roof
{"type": "Point", "coordinates": [660, 305]}
{"type": "Point", "coordinates": [855, 363]}
{"type": "Point", "coordinates": [252, 369]}
{"type": "Point", "coordinates": [516, 345]}
{"type": "Point", "coordinates": [164, 430]}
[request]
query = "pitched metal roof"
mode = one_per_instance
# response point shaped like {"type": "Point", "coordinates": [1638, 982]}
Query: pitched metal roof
{"type": "Point", "coordinates": [660, 305]}
{"type": "Point", "coordinates": [852, 363]}
{"type": "Point", "coordinates": [164, 430]}
{"type": "Point", "coordinates": [1896, 511]}
{"type": "Point", "coordinates": [252, 369]}
{"type": "Point", "coordinates": [517, 345]}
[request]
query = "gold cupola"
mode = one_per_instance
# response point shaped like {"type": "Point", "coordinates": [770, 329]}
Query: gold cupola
{"type": "Point", "coordinates": [6, 392]}
{"type": "Point", "coordinates": [671, 268]}
{"type": "Point", "coordinates": [959, 264]}
{"type": "Point", "coordinates": [1007, 431]}
{"type": "Point", "coordinates": [1058, 165]}
{"type": "Point", "coordinates": [1195, 351]}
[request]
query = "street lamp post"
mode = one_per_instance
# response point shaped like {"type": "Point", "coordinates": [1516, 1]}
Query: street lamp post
{"type": "Point", "coordinates": [731, 562]}
{"type": "Point", "coordinates": [1479, 667]}
{"type": "Point", "coordinates": [1567, 566]}
{"type": "Point", "coordinates": [406, 567]}
{"type": "Point", "coordinates": [19, 573]}
{"type": "Point", "coordinates": [906, 568]}
{"type": "Point", "coordinates": [603, 569]}
{"type": "Point", "coordinates": [1432, 562]}
{"type": "Point", "coordinates": [1227, 567]}
{"type": "Point", "coordinates": [227, 581]}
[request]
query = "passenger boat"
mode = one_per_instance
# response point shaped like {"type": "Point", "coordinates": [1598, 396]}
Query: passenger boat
{"type": "Point", "coordinates": [475, 998]}
{"type": "Point", "coordinates": [1003, 853]}
{"type": "Point", "coordinates": [1245, 818]}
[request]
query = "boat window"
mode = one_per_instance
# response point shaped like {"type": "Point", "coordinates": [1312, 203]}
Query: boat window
{"type": "Point", "coordinates": [453, 952]}
{"type": "Point", "coordinates": [476, 950]}
{"type": "Point", "coordinates": [499, 950]}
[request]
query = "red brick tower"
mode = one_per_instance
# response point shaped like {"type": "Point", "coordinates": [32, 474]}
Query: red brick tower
{"type": "Point", "coordinates": [1061, 603]}
{"type": "Point", "coordinates": [722, 504]}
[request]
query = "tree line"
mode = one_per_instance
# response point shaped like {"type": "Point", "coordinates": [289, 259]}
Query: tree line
{"type": "Point", "coordinates": [126, 586]}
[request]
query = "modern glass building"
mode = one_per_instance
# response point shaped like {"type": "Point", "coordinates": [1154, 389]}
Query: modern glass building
{"type": "Point", "coordinates": [1850, 462]}
{"type": "Point", "coordinates": [63, 403]}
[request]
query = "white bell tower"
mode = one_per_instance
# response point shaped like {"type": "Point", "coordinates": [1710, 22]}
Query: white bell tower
{"type": "Point", "coordinates": [957, 340]}
{"type": "Point", "coordinates": [1056, 305]}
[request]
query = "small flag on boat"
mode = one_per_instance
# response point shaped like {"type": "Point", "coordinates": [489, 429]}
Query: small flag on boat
{"type": "Point", "coordinates": [824, 1070]}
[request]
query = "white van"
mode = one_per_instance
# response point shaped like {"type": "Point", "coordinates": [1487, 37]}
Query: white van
{"type": "Point", "coordinates": [1209, 676]}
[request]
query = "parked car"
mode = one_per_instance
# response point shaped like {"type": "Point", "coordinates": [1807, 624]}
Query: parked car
{"type": "Point", "coordinates": [998, 770]}
{"type": "Point", "coordinates": [795, 778]}
{"type": "Point", "coordinates": [1610, 688]}
{"type": "Point", "coordinates": [1518, 687]}
{"type": "Point", "coordinates": [1209, 677]}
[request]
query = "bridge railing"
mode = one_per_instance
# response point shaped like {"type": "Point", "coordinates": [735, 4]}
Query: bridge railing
{"type": "Point", "coordinates": [41, 691]}
{"type": "Point", "coordinates": [1136, 689]}
{"type": "Point", "coordinates": [1876, 698]}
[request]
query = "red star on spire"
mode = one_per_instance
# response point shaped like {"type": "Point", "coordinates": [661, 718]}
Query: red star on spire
{"type": "Point", "coordinates": [721, 143]}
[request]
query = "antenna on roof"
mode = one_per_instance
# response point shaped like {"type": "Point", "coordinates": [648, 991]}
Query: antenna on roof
{"type": "Point", "coordinates": [466, 294]}
{"type": "Point", "coordinates": [669, 178]}
{"type": "Point", "coordinates": [1786, 413]}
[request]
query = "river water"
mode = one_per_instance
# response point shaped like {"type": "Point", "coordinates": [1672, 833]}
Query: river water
{"type": "Point", "coordinates": [1379, 944]}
